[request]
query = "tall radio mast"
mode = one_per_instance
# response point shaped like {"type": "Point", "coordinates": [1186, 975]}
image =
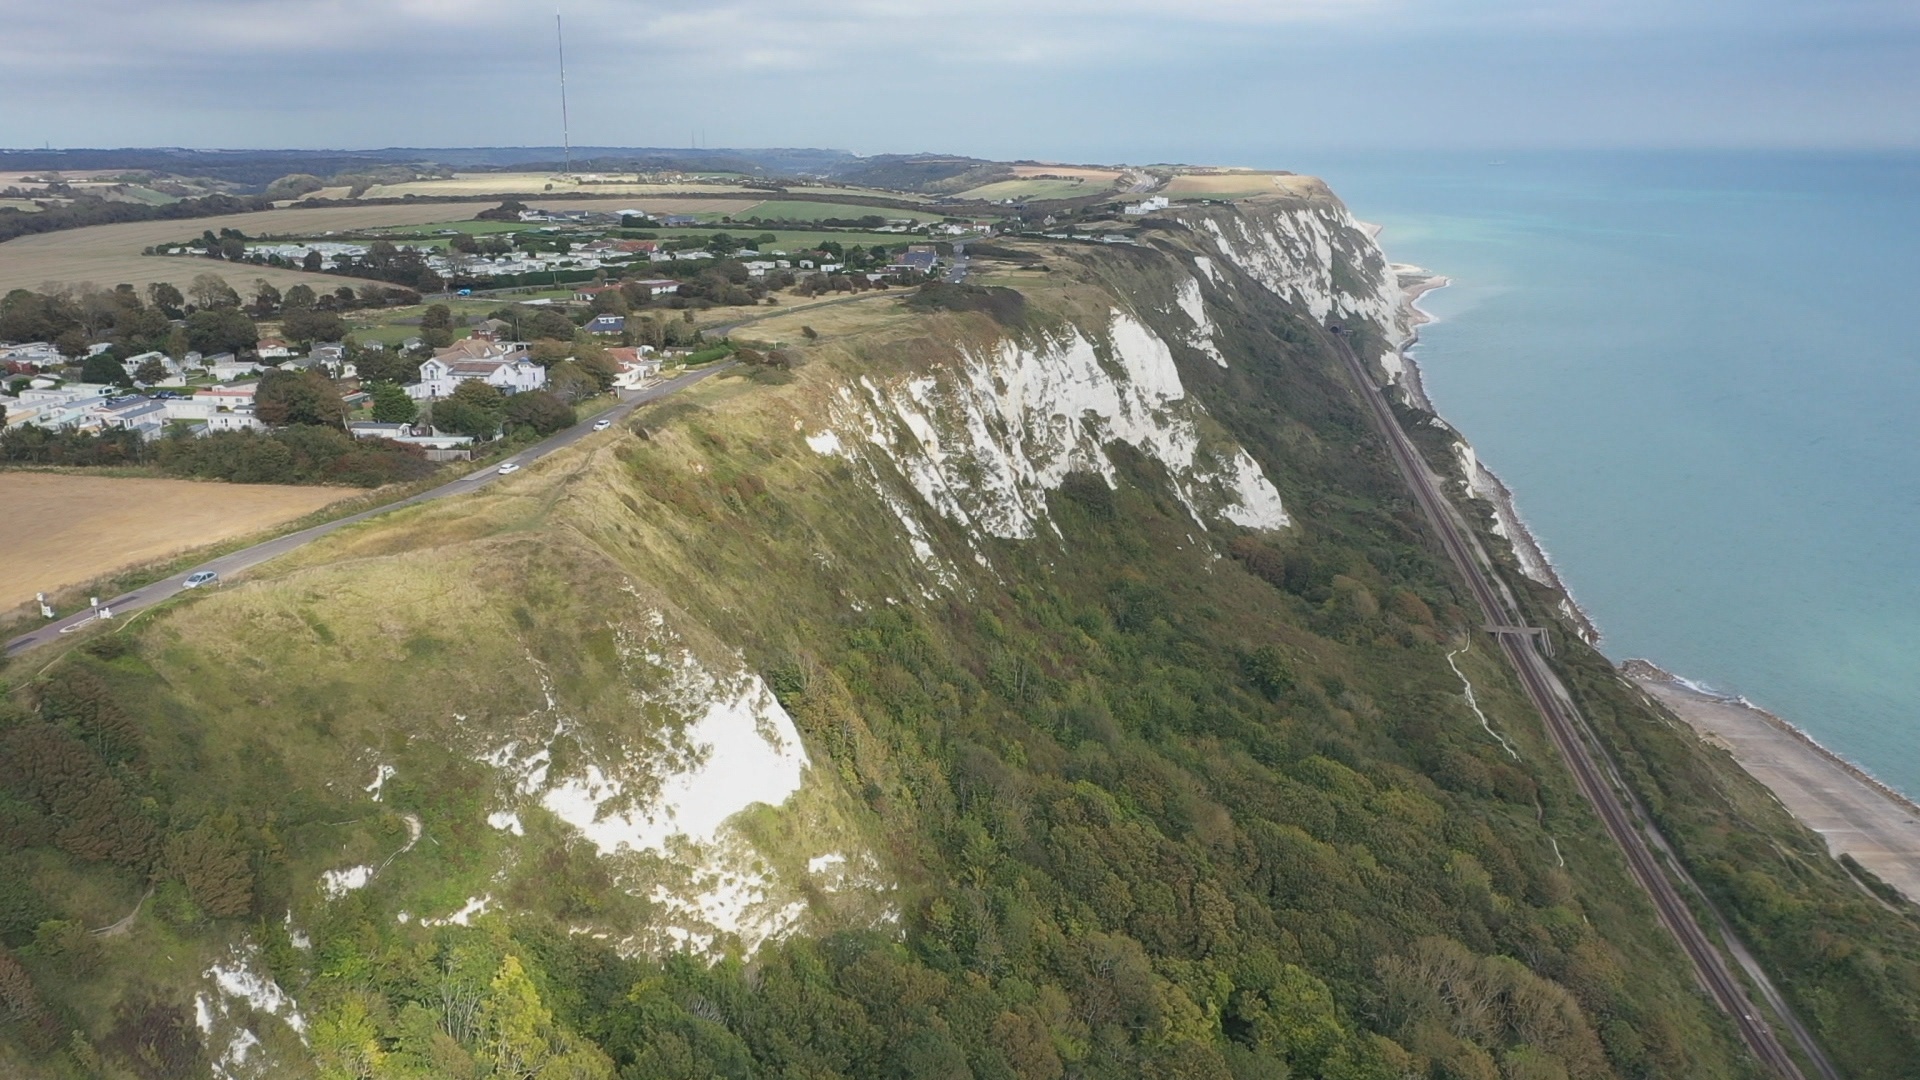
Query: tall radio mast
{"type": "Point", "coordinates": [566, 136]}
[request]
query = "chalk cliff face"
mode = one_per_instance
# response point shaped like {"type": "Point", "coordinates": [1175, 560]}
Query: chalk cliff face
{"type": "Point", "coordinates": [981, 439]}
{"type": "Point", "coordinates": [1312, 254]}
{"type": "Point", "coordinates": [984, 439]}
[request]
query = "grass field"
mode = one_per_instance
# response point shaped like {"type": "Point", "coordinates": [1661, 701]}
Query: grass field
{"type": "Point", "coordinates": [791, 240]}
{"type": "Point", "coordinates": [62, 530]}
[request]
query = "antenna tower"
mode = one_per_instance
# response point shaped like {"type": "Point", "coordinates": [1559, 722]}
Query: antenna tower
{"type": "Point", "coordinates": [566, 135]}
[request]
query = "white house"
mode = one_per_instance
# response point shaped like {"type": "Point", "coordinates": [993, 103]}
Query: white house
{"type": "Point", "coordinates": [1146, 206]}
{"type": "Point", "coordinates": [504, 366]}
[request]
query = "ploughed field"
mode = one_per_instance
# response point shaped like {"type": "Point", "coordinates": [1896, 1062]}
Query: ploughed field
{"type": "Point", "coordinates": [61, 530]}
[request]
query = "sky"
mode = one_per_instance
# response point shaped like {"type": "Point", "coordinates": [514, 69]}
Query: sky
{"type": "Point", "coordinates": [1093, 80]}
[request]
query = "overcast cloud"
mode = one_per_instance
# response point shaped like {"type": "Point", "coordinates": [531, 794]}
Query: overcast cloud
{"type": "Point", "coordinates": [1086, 79]}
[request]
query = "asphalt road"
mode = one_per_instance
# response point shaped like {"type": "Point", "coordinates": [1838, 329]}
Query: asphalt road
{"type": "Point", "coordinates": [1619, 811]}
{"type": "Point", "coordinates": [233, 563]}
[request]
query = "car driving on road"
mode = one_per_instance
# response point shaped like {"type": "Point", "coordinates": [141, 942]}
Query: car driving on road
{"type": "Point", "coordinates": [199, 578]}
{"type": "Point", "coordinates": [602, 425]}
{"type": "Point", "coordinates": [509, 467]}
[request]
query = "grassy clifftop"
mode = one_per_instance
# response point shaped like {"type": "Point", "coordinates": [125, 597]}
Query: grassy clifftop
{"type": "Point", "coordinates": [1038, 689]}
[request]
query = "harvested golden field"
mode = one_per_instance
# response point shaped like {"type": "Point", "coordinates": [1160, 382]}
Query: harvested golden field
{"type": "Point", "coordinates": [1037, 188]}
{"type": "Point", "coordinates": [61, 530]}
{"type": "Point", "coordinates": [1240, 185]}
{"type": "Point", "coordinates": [109, 255]}
{"type": "Point", "coordinates": [1076, 172]}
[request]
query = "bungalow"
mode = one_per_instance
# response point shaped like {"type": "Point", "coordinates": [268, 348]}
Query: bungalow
{"type": "Point", "coordinates": [233, 369]}
{"type": "Point", "coordinates": [607, 324]}
{"type": "Point", "coordinates": [657, 286]}
{"type": "Point", "coordinates": [37, 354]}
{"type": "Point", "coordinates": [918, 259]}
{"type": "Point", "coordinates": [638, 366]}
{"type": "Point", "coordinates": [237, 396]}
{"type": "Point", "coordinates": [426, 437]}
{"type": "Point", "coordinates": [238, 420]}
{"type": "Point", "coordinates": [134, 413]}
{"type": "Point", "coordinates": [272, 349]}
{"type": "Point", "coordinates": [679, 221]}
{"type": "Point", "coordinates": [172, 367]}
{"type": "Point", "coordinates": [585, 293]}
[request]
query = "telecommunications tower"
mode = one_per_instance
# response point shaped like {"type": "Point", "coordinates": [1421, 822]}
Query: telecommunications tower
{"type": "Point", "coordinates": [566, 136]}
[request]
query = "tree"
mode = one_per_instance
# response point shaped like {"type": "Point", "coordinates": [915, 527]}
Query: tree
{"type": "Point", "coordinates": [312, 262]}
{"type": "Point", "coordinates": [103, 368]}
{"type": "Point", "coordinates": [520, 1040]}
{"type": "Point", "coordinates": [382, 365]}
{"type": "Point", "coordinates": [266, 298]}
{"type": "Point", "coordinates": [212, 291]}
{"type": "Point", "coordinates": [436, 326]}
{"type": "Point", "coordinates": [473, 409]}
{"type": "Point", "coordinates": [547, 323]}
{"type": "Point", "coordinates": [163, 295]}
{"type": "Point", "coordinates": [150, 371]}
{"type": "Point", "coordinates": [539, 411]}
{"type": "Point", "coordinates": [72, 343]}
{"type": "Point", "coordinates": [599, 367]}
{"type": "Point", "coordinates": [569, 383]}
{"type": "Point", "coordinates": [298, 298]}
{"type": "Point", "coordinates": [19, 1000]}
{"type": "Point", "coordinates": [346, 1044]}
{"type": "Point", "coordinates": [391, 405]}
{"type": "Point", "coordinates": [298, 397]}
{"type": "Point", "coordinates": [306, 325]}
{"type": "Point", "coordinates": [214, 866]}
{"type": "Point", "coordinates": [217, 330]}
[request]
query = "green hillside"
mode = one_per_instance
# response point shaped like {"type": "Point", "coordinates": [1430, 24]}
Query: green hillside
{"type": "Point", "coordinates": [1083, 780]}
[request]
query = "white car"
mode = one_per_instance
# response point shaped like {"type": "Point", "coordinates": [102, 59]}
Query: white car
{"type": "Point", "coordinates": [204, 577]}
{"type": "Point", "coordinates": [509, 467]}
{"type": "Point", "coordinates": [602, 425]}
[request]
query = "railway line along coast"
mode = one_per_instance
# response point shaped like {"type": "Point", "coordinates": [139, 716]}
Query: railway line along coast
{"type": "Point", "coordinates": [1624, 819]}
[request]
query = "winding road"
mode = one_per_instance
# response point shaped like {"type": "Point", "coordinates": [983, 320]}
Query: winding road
{"type": "Point", "coordinates": [1620, 812]}
{"type": "Point", "coordinates": [234, 562]}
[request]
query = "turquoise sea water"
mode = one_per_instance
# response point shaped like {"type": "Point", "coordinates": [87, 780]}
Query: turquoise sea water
{"type": "Point", "coordinates": [1700, 375]}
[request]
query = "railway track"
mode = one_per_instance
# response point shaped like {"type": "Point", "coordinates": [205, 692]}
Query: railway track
{"type": "Point", "coordinates": [1617, 810]}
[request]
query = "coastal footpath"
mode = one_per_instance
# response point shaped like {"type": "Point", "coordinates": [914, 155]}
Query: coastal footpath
{"type": "Point", "coordinates": [1855, 814]}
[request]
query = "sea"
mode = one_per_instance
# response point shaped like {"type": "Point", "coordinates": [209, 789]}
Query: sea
{"type": "Point", "coordinates": [1699, 373]}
